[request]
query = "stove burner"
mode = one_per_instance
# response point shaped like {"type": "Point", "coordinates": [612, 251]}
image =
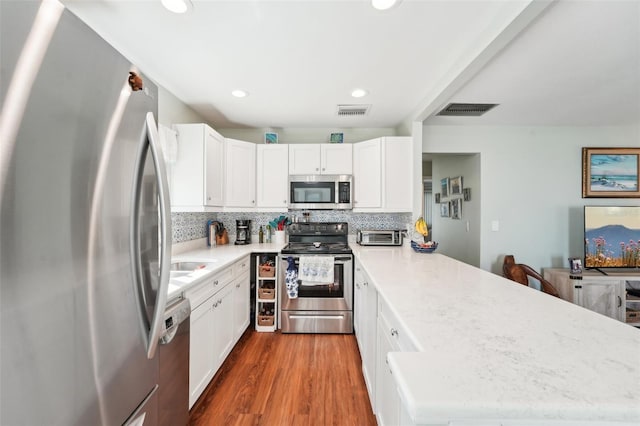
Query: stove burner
{"type": "Point", "coordinates": [318, 237]}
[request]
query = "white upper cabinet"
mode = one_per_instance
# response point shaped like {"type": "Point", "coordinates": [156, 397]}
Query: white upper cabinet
{"type": "Point", "coordinates": [336, 159]}
{"type": "Point", "coordinates": [397, 174]}
{"type": "Point", "coordinates": [316, 159]}
{"type": "Point", "coordinates": [383, 175]}
{"type": "Point", "coordinates": [240, 181]}
{"type": "Point", "coordinates": [367, 174]}
{"type": "Point", "coordinates": [273, 176]}
{"type": "Point", "coordinates": [197, 175]}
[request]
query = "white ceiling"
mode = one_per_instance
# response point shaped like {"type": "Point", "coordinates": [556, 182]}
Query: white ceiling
{"type": "Point", "coordinates": [577, 63]}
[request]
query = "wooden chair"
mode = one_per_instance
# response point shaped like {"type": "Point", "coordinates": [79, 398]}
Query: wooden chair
{"type": "Point", "coordinates": [520, 273]}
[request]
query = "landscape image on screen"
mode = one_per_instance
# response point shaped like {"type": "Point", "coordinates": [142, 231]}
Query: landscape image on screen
{"type": "Point", "coordinates": [612, 237]}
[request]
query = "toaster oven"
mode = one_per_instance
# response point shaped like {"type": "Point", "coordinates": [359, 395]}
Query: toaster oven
{"type": "Point", "coordinates": [391, 237]}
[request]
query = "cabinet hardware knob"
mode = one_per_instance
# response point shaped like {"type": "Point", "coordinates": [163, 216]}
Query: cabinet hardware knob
{"type": "Point", "coordinates": [619, 301]}
{"type": "Point", "coordinates": [209, 198]}
{"type": "Point", "coordinates": [394, 332]}
{"type": "Point", "coordinates": [365, 283]}
{"type": "Point", "coordinates": [215, 282]}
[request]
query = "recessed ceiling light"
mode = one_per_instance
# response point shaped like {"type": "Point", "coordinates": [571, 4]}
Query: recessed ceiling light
{"type": "Point", "coordinates": [384, 4]}
{"type": "Point", "coordinates": [359, 93]}
{"type": "Point", "coordinates": [239, 93]}
{"type": "Point", "coordinates": [177, 6]}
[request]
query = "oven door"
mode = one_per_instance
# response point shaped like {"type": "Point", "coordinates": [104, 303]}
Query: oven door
{"type": "Point", "coordinates": [337, 296]}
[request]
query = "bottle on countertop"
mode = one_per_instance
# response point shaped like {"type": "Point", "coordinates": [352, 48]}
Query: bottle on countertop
{"type": "Point", "coordinates": [260, 235]}
{"type": "Point", "coordinates": [268, 239]}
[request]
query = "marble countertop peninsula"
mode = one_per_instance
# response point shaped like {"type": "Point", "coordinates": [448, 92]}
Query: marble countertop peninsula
{"type": "Point", "coordinates": [494, 352]}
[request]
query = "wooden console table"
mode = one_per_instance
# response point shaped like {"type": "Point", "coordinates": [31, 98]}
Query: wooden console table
{"type": "Point", "coordinates": [615, 295]}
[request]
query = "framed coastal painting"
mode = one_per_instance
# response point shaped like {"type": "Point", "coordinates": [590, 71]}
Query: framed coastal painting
{"type": "Point", "coordinates": [455, 184]}
{"type": "Point", "coordinates": [444, 209]}
{"type": "Point", "coordinates": [444, 187]}
{"type": "Point", "coordinates": [610, 172]}
{"type": "Point", "coordinates": [456, 208]}
{"type": "Point", "coordinates": [270, 137]}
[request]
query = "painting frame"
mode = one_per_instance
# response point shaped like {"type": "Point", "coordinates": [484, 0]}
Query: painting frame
{"type": "Point", "coordinates": [270, 137]}
{"type": "Point", "coordinates": [456, 209]}
{"type": "Point", "coordinates": [610, 172]}
{"type": "Point", "coordinates": [444, 187]}
{"type": "Point", "coordinates": [336, 138]}
{"type": "Point", "coordinates": [455, 185]}
{"type": "Point", "coordinates": [444, 209]}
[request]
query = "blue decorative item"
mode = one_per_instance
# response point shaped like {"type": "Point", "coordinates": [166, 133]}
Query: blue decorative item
{"type": "Point", "coordinates": [420, 249]}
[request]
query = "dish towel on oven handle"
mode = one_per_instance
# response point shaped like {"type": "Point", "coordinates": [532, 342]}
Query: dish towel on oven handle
{"type": "Point", "coordinates": [316, 270]}
{"type": "Point", "coordinates": [291, 279]}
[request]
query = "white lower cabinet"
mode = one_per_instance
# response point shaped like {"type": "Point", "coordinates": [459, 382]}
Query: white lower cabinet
{"type": "Point", "coordinates": [200, 350]}
{"type": "Point", "coordinates": [223, 330]}
{"type": "Point", "coordinates": [241, 300]}
{"type": "Point", "coordinates": [365, 325]}
{"type": "Point", "coordinates": [391, 338]}
{"type": "Point", "coordinates": [219, 316]}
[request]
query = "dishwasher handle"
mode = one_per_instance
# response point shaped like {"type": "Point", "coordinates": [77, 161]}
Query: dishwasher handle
{"type": "Point", "coordinates": [174, 315]}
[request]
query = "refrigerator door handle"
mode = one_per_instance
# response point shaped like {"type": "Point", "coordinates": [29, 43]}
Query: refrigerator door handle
{"type": "Point", "coordinates": [153, 328]}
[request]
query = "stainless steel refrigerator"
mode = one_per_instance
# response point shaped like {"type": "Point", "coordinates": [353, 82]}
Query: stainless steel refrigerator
{"type": "Point", "coordinates": [85, 237]}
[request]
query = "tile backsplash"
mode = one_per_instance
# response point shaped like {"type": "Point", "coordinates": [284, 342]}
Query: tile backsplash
{"type": "Point", "coordinates": [191, 226]}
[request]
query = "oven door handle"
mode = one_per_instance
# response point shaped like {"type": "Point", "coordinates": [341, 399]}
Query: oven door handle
{"type": "Point", "coordinates": [338, 260]}
{"type": "Point", "coordinates": [299, 316]}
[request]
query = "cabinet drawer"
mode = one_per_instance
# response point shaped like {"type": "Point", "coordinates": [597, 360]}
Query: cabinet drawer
{"type": "Point", "coordinates": [392, 327]}
{"type": "Point", "coordinates": [208, 287]}
{"type": "Point", "coordinates": [241, 266]}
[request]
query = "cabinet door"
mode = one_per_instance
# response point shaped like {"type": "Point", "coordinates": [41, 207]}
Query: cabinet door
{"type": "Point", "coordinates": [200, 350]}
{"type": "Point", "coordinates": [273, 176]}
{"type": "Point", "coordinates": [304, 159]}
{"type": "Point", "coordinates": [214, 168]}
{"type": "Point", "coordinates": [398, 174]}
{"type": "Point", "coordinates": [368, 351]}
{"type": "Point", "coordinates": [240, 173]}
{"type": "Point", "coordinates": [387, 399]}
{"type": "Point", "coordinates": [367, 176]}
{"type": "Point", "coordinates": [240, 305]}
{"type": "Point", "coordinates": [336, 159]}
{"type": "Point", "coordinates": [604, 297]}
{"type": "Point", "coordinates": [223, 328]}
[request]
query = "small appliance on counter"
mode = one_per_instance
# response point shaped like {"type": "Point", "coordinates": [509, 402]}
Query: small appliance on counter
{"type": "Point", "coordinates": [243, 232]}
{"type": "Point", "coordinates": [390, 237]}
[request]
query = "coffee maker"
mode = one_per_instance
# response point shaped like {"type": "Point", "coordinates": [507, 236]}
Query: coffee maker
{"type": "Point", "coordinates": [243, 232]}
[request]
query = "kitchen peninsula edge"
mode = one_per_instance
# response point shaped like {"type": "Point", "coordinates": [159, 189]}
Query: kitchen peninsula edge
{"type": "Point", "coordinates": [492, 352]}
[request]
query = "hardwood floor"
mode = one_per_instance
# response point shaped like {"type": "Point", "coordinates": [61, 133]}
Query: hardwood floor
{"type": "Point", "coordinates": [288, 379]}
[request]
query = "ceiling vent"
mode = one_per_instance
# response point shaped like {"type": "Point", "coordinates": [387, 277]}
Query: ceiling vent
{"type": "Point", "coordinates": [353, 110]}
{"type": "Point", "coordinates": [466, 110]}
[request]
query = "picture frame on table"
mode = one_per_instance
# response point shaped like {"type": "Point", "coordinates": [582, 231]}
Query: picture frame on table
{"type": "Point", "coordinates": [270, 137]}
{"type": "Point", "coordinates": [456, 209]}
{"type": "Point", "coordinates": [455, 185]}
{"type": "Point", "coordinates": [610, 172]}
{"type": "Point", "coordinates": [336, 138]}
{"type": "Point", "coordinates": [444, 187]}
{"type": "Point", "coordinates": [444, 209]}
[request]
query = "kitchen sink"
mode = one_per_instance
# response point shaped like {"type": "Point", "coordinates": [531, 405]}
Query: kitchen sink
{"type": "Point", "coordinates": [188, 266]}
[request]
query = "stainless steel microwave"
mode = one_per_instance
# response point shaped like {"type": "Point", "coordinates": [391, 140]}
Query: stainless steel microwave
{"type": "Point", "coordinates": [320, 192]}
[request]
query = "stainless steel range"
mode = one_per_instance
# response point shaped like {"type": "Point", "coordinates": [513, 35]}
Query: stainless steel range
{"type": "Point", "coordinates": [317, 306]}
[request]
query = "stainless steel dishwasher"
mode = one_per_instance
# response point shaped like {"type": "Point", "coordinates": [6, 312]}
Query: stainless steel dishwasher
{"type": "Point", "coordinates": [173, 403]}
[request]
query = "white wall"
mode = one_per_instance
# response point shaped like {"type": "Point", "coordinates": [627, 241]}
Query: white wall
{"type": "Point", "coordinates": [459, 239]}
{"type": "Point", "coordinates": [172, 110]}
{"type": "Point", "coordinates": [531, 183]}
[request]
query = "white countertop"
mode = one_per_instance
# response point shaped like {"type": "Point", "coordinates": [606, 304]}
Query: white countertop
{"type": "Point", "coordinates": [491, 349]}
{"type": "Point", "coordinates": [219, 257]}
